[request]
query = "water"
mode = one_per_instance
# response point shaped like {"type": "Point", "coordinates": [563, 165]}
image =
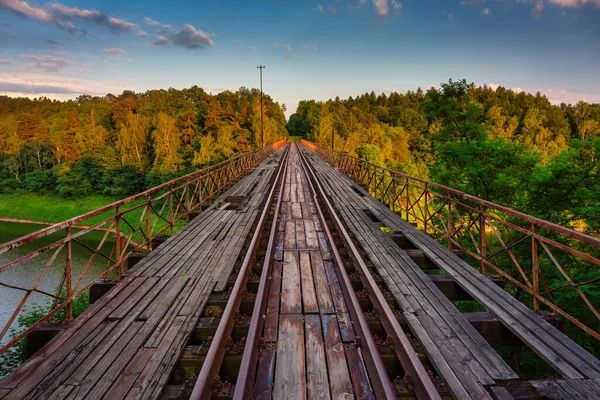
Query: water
{"type": "Point", "coordinates": [25, 275]}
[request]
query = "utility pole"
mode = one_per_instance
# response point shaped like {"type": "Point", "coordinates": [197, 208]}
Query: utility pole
{"type": "Point", "coordinates": [262, 122]}
{"type": "Point", "coordinates": [332, 139]}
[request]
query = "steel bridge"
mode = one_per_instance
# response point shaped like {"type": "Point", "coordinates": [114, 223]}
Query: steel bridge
{"type": "Point", "coordinates": [298, 272]}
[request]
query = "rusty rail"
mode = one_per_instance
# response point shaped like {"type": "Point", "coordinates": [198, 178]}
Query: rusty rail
{"type": "Point", "coordinates": [423, 385]}
{"type": "Point", "coordinates": [214, 357]}
{"type": "Point", "coordinates": [133, 223]}
{"type": "Point", "coordinates": [536, 257]}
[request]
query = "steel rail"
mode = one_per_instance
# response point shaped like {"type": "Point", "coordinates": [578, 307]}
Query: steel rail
{"type": "Point", "coordinates": [216, 352]}
{"type": "Point", "coordinates": [409, 359]}
{"type": "Point", "coordinates": [246, 374]}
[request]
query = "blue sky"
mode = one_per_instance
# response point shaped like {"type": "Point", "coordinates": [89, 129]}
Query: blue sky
{"type": "Point", "coordinates": [312, 49]}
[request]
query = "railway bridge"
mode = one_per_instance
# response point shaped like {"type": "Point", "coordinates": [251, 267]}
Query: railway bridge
{"type": "Point", "coordinates": [297, 272]}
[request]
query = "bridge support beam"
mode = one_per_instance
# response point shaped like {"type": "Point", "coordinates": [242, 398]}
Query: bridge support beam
{"type": "Point", "coordinates": [42, 335]}
{"type": "Point", "coordinates": [496, 333]}
{"type": "Point", "coordinates": [453, 291]}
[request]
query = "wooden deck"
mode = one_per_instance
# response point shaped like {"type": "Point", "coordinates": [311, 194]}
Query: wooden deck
{"type": "Point", "coordinates": [127, 343]}
{"type": "Point", "coordinates": [460, 355]}
{"type": "Point", "coordinates": [307, 321]}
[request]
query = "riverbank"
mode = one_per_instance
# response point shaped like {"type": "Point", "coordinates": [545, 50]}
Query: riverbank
{"type": "Point", "coordinates": [46, 209]}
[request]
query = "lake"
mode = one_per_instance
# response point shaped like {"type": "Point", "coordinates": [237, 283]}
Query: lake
{"type": "Point", "coordinates": [26, 274]}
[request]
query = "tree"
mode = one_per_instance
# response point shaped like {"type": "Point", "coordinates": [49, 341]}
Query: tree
{"type": "Point", "coordinates": [167, 142]}
{"type": "Point", "coordinates": [132, 140]}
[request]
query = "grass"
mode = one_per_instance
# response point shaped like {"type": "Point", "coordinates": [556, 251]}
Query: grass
{"type": "Point", "coordinates": [48, 208]}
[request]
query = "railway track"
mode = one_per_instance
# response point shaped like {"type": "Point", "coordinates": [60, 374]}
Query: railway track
{"type": "Point", "coordinates": [287, 286]}
{"type": "Point", "coordinates": [304, 315]}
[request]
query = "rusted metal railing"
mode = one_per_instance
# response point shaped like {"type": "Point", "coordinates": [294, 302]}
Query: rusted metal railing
{"type": "Point", "coordinates": [130, 224]}
{"type": "Point", "coordinates": [544, 260]}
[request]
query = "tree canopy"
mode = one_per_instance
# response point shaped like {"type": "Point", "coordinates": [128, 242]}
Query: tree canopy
{"type": "Point", "coordinates": [122, 144]}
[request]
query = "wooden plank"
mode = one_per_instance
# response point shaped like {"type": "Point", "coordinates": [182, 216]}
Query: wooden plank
{"type": "Point", "coordinates": [290, 376]}
{"type": "Point", "coordinates": [358, 373]}
{"type": "Point", "coordinates": [124, 382]}
{"type": "Point", "coordinates": [291, 293]}
{"type": "Point", "coordinates": [311, 235]}
{"type": "Point", "coordinates": [272, 316]}
{"type": "Point", "coordinates": [321, 284]}
{"type": "Point", "coordinates": [324, 246]}
{"type": "Point", "coordinates": [279, 247]}
{"type": "Point", "coordinates": [577, 389]}
{"type": "Point", "coordinates": [551, 390]}
{"type": "Point", "coordinates": [300, 236]}
{"type": "Point", "coordinates": [339, 376]}
{"type": "Point", "coordinates": [501, 393]}
{"type": "Point", "coordinates": [296, 211]}
{"type": "Point", "coordinates": [309, 297]}
{"type": "Point", "coordinates": [290, 234]}
{"type": "Point", "coordinates": [316, 365]}
{"type": "Point", "coordinates": [436, 358]}
{"type": "Point", "coordinates": [63, 392]}
{"type": "Point", "coordinates": [265, 374]}
{"type": "Point", "coordinates": [158, 369]}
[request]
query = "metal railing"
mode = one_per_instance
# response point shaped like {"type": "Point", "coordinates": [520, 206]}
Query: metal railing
{"type": "Point", "coordinates": [131, 224]}
{"type": "Point", "coordinates": [544, 260]}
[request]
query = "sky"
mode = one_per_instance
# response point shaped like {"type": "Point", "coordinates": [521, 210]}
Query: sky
{"type": "Point", "coordinates": [311, 49]}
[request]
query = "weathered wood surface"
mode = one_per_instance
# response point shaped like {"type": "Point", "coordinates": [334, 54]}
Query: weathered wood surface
{"type": "Point", "coordinates": [306, 319]}
{"type": "Point", "coordinates": [447, 337]}
{"type": "Point", "coordinates": [460, 355]}
{"type": "Point", "coordinates": [127, 343]}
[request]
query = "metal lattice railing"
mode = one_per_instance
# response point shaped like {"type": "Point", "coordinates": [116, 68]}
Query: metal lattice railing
{"type": "Point", "coordinates": [128, 226]}
{"type": "Point", "coordinates": [557, 267]}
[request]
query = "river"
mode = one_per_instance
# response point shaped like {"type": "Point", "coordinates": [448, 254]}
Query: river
{"type": "Point", "coordinates": [26, 274]}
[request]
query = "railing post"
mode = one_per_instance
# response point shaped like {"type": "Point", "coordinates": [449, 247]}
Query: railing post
{"type": "Point", "coordinates": [69, 276]}
{"type": "Point", "coordinates": [171, 216]}
{"type": "Point", "coordinates": [407, 199]}
{"type": "Point", "coordinates": [426, 216]}
{"type": "Point", "coordinates": [535, 268]}
{"type": "Point", "coordinates": [119, 269]}
{"type": "Point", "coordinates": [188, 203]}
{"type": "Point", "coordinates": [148, 232]}
{"type": "Point", "coordinates": [482, 240]}
{"type": "Point", "coordinates": [450, 226]}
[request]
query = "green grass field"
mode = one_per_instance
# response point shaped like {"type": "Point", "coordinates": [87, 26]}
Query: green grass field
{"type": "Point", "coordinates": [48, 208]}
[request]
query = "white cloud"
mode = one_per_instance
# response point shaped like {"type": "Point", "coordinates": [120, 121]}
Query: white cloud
{"type": "Point", "coordinates": [114, 51]}
{"type": "Point", "coordinates": [27, 84]}
{"type": "Point", "coordinates": [152, 22]}
{"type": "Point", "coordinates": [62, 16]}
{"type": "Point", "coordinates": [495, 86]}
{"type": "Point", "coordinates": [141, 33]}
{"type": "Point", "coordinates": [485, 11]}
{"type": "Point", "coordinates": [381, 7]}
{"type": "Point", "coordinates": [538, 8]}
{"type": "Point", "coordinates": [392, 90]}
{"type": "Point", "coordinates": [46, 63]}
{"type": "Point", "coordinates": [191, 38]}
{"type": "Point", "coordinates": [575, 3]}
{"type": "Point", "coordinates": [328, 10]}
{"type": "Point", "coordinates": [23, 8]}
{"type": "Point", "coordinates": [309, 46]}
{"type": "Point", "coordinates": [286, 47]}
{"type": "Point", "coordinates": [188, 36]}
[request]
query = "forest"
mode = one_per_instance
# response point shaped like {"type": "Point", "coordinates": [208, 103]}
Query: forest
{"type": "Point", "coordinates": [515, 149]}
{"type": "Point", "coordinates": [121, 145]}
